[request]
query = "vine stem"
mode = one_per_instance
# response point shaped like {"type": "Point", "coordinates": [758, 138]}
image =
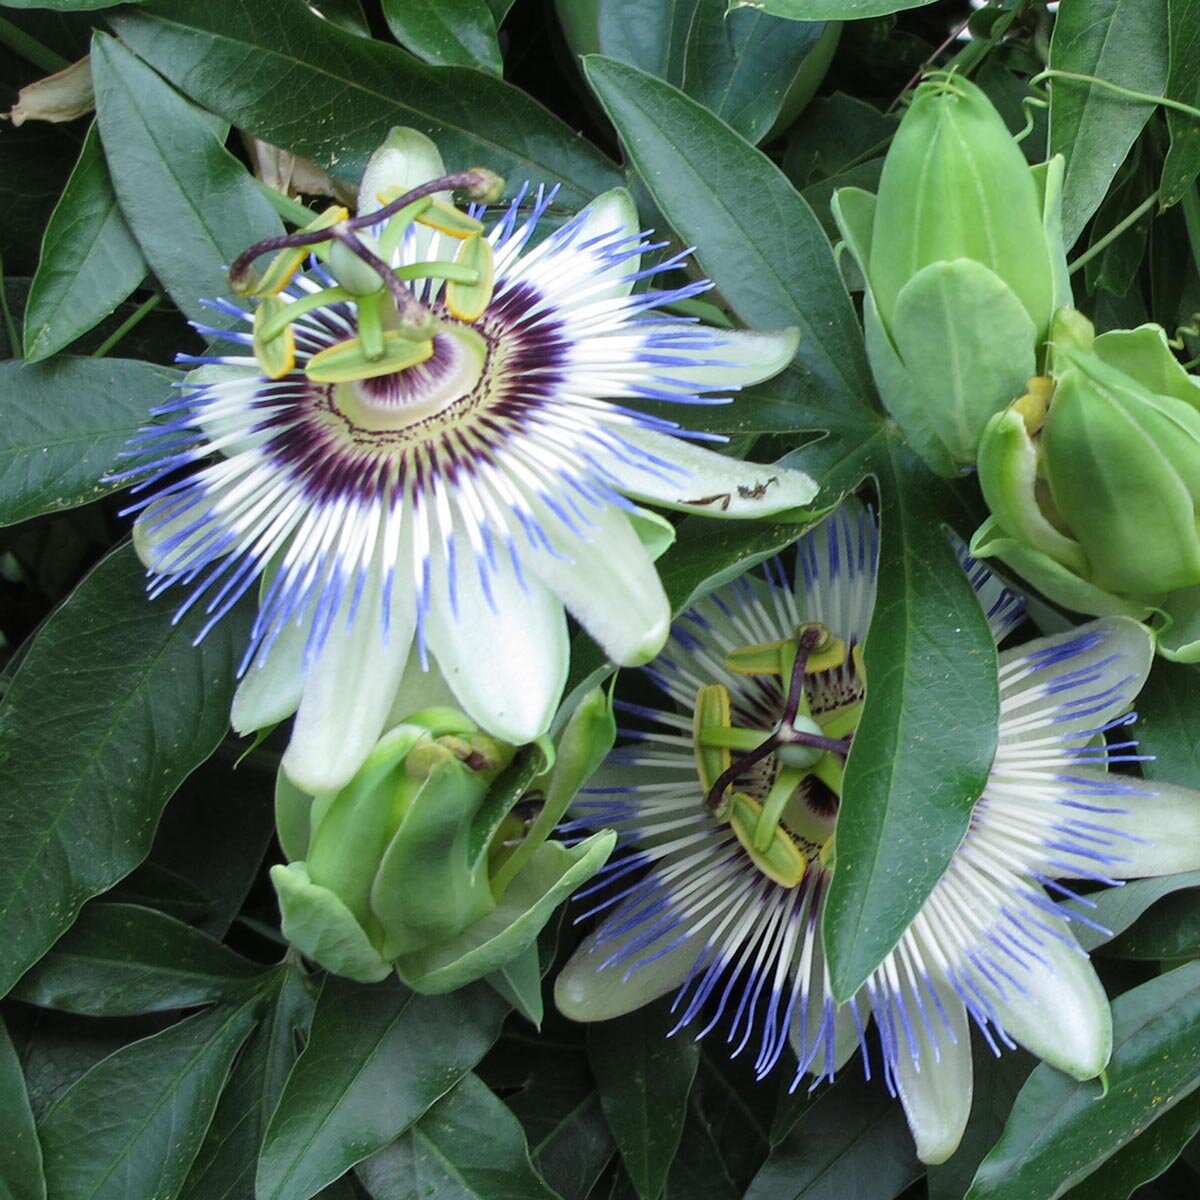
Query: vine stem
{"type": "Point", "coordinates": [132, 321]}
{"type": "Point", "coordinates": [30, 49]}
{"type": "Point", "coordinates": [1115, 232]}
{"type": "Point", "coordinates": [1052, 73]}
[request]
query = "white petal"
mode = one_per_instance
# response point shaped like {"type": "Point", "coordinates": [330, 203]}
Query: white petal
{"type": "Point", "coordinates": [935, 1087]}
{"type": "Point", "coordinates": [727, 359]}
{"type": "Point", "coordinates": [587, 990]}
{"type": "Point", "coordinates": [1060, 1012]}
{"type": "Point", "coordinates": [678, 474]}
{"type": "Point", "coordinates": [836, 564]}
{"type": "Point", "coordinates": [1150, 828]}
{"type": "Point", "coordinates": [611, 587]}
{"type": "Point", "coordinates": [405, 160]}
{"type": "Point", "coordinates": [1073, 682]}
{"type": "Point", "coordinates": [505, 661]}
{"type": "Point", "coordinates": [348, 692]}
{"type": "Point", "coordinates": [270, 690]}
{"type": "Point", "coordinates": [420, 687]}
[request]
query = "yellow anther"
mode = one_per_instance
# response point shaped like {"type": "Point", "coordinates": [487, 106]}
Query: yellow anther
{"type": "Point", "coordinates": [782, 861]}
{"type": "Point", "coordinates": [276, 355]}
{"type": "Point", "coordinates": [445, 218]}
{"type": "Point", "coordinates": [1035, 403]}
{"type": "Point", "coordinates": [469, 301]}
{"type": "Point", "coordinates": [286, 263]}
{"type": "Point", "coordinates": [712, 709]}
{"type": "Point", "coordinates": [347, 361]}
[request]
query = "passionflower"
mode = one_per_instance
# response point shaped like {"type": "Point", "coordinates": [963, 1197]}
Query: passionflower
{"type": "Point", "coordinates": [430, 439]}
{"type": "Point", "coordinates": [721, 893]}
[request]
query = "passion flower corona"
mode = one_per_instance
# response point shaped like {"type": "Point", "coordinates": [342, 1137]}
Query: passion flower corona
{"type": "Point", "coordinates": [728, 803]}
{"type": "Point", "coordinates": [430, 439]}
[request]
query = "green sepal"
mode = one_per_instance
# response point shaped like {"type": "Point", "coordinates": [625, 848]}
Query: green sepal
{"type": "Point", "coordinates": [426, 889]}
{"type": "Point", "coordinates": [1048, 179]}
{"type": "Point", "coordinates": [469, 301]}
{"type": "Point", "coordinates": [1008, 477]}
{"type": "Point", "coordinates": [960, 350]}
{"type": "Point", "coordinates": [1058, 584]}
{"type": "Point", "coordinates": [1144, 355]}
{"type": "Point", "coordinates": [854, 214]}
{"type": "Point", "coordinates": [346, 362]}
{"type": "Point", "coordinates": [321, 927]}
{"type": "Point", "coordinates": [551, 875]}
{"type": "Point", "coordinates": [519, 982]}
{"type": "Point", "coordinates": [293, 817]}
{"type": "Point", "coordinates": [1179, 637]}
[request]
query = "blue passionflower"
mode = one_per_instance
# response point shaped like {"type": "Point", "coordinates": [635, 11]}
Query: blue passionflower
{"type": "Point", "coordinates": [720, 895]}
{"type": "Point", "coordinates": [431, 439]}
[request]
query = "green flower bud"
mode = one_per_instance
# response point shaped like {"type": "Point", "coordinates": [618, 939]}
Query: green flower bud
{"type": "Point", "coordinates": [964, 264]}
{"type": "Point", "coordinates": [1094, 498]}
{"type": "Point", "coordinates": [409, 866]}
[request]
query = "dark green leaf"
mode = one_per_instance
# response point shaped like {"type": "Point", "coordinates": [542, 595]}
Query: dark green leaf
{"type": "Point", "coordinates": [90, 260]}
{"type": "Point", "coordinates": [1183, 83]}
{"type": "Point", "coordinates": [828, 10]}
{"type": "Point", "coordinates": [1061, 1130]}
{"type": "Point", "coordinates": [467, 1146]}
{"type": "Point", "coordinates": [1120, 41]}
{"type": "Point", "coordinates": [1167, 728]}
{"type": "Point", "coordinates": [111, 708]}
{"type": "Point", "coordinates": [152, 886]}
{"type": "Point", "coordinates": [120, 960]}
{"type": "Point", "coordinates": [644, 1078]}
{"type": "Point", "coordinates": [835, 133]}
{"type": "Point", "coordinates": [133, 1124]}
{"type": "Point", "coordinates": [446, 32]}
{"type": "Point", "coordinates": [21, 1175]}
{"type": "Point", "coordinates": [924, 746]}
{"type": "Point", "coordinates": [1117, 265]}
{"type": "Point", "coordinates": [224, 1168]}
{"type": "Point", "coordinates": [520, 983]}
{"type": "Point", "coordinates": [756, 238]}
{"type": "Point", "coordinates": [644, 33]}
{"type": "Point", "coordinates": [1118, 908]}
{"type": "Point", "coordinates": [345, 14]}
{"type": "Point", "coordinates": [66, 5]}
{"type": "Point", "coordinates": [743, 65]}
{"type": "Point", "coordinates": [190, 203]}
{"type": "Point", "coordinates": [332, 96]}
{"type": "Point", "coordinates": [852, 1144]}
{"type": "Point", "coordinates": [1145, 1158]}
{"type": "Point", "coordinates": [1170, 930]}
{"type": "Point", "coordinates": [377, 1058]}
{"type": "Point", "coordinates": [65, 423]}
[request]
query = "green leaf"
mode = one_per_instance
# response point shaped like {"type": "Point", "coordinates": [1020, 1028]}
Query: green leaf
{"type": "Point", "coordinates": [924, 746]}
{"type": "Point", "coordinates": [643, 33]}
{"type": "Point", "coordinates": [852, 1142]}
{"type": "Point", "coordinates": [644, 1078]}
{"type": "Point", "coordinates": [828, 10]}
{"type": "Point", "coordinates": [1061, 1130]}
{"type": "Point", "coordinates": [519, 982]}
{"type": "Point", "coordinates": [66, 5]}
{"type": "Point", "coordinates": [110, 709]}
{"type": "Point", "coordinates": [377, 1058]}
{"type": "Point", "coordinates": [121, 960]}
{"type": "Point", "coordinates": [1182, 163]}
{"type": "Point", "coordinates": [1145, 1158]}
{"type": "Point", "coordinates": [835, 134]}
{"type": "Point", "coordinates": [550, 876]}
{"type": "Point", "coordinates": [1120, 41]}
{"type": "Point", "coordinates": [133, 1124]}
{"type": "Point", "coordinates": [468, 1146]}
{"type": "Point", "coordinates": [224, 1168]}
{"type": "Point", "coordinates": [446, 32]}
{"type": "Point", "coordinates": [1167, 728]}
{"type": "Point", "coordinates": [332, 96]}
{"type": "Point", "coordinates": [90, 260]}
{"type": "Point", "coordinates": [65, 423]}
{"type": "Point", "coordinates": [756, 238]}
{"type": "Point", "coordinates": [21, 1175]}
{"type": "Point", "coordinates": [1116, 909]}
{"type": "Point", "coordinates": [191, 205]}
{"type": "Point", "coordinates": [1170, 930]}
{"type": "Point", "coordinates": [742, 65]}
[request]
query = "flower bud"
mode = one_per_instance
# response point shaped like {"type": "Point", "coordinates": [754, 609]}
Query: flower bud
{"type": "Point", "coordinates": [409, 865]}
{"type": "Point", "coordinates": [964, 266]}
{"type": "Point", "coordinates": [1096, 504]}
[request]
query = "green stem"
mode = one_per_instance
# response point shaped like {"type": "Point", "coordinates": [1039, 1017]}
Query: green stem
{"type": "Point", "coordinates": [1115, 232]}
{"type": "Point", "coordinates": [10, 326]}
{"type": "Point", "coordinates": [1117, 89]}
{"type": "Point", "coordinates": [19, 42]}
{"type": "Point", "coordinates": [290, 210]}
{"type": "Point", "coordinates": [132, 321]}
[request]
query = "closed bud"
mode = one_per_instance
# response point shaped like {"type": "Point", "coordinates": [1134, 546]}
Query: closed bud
{"type": "Point", "coordinates": [409, 866]}
{"type": "Point", "coordinates": [1097, 505]}
{"type": "Point", "coordinates": [964, 267]}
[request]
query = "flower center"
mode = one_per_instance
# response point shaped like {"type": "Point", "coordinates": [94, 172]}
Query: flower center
{"type": "Point", "coordinates": [779, 789]}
